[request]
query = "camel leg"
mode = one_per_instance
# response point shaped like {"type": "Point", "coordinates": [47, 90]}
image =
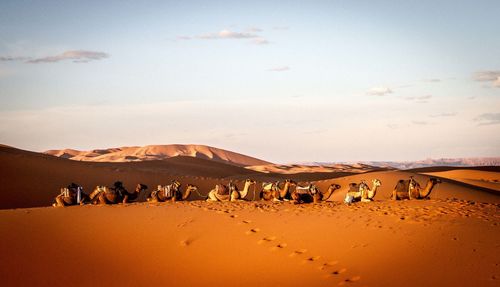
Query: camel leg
{"type": "Point", "coordinates": [102, 199]}
{"type": "Point", "coordinates": [125, 198]}
{"type": "Point", "coordinates": [211, 196]}
{"type": "Point", "coordinates": [296, 198]}
{"type": "Point", "coordinates": [59, 202]}
{"type": "Point", "coordinates": [317, 197]}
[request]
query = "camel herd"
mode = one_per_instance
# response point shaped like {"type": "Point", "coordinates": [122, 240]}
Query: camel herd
{"type": "Point", "coordinates": [405, 189]}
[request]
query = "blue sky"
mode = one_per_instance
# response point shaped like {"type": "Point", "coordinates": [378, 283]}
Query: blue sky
{"type": "Point", "coordinates": [294, 81]}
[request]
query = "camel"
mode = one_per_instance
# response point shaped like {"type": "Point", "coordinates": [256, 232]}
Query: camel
{"type": "Point", "coordinates": [272, 191]}
{"type": "Point", "coordinates": [362, 192]}
{"type": "Point", "coordinates": [71, 195]}
{"type": "Point", "coordinates": [127, 197]}
{"type": "Point", "coordinates": [108, 195]}
{"type": "Point", "coordinates": [171, 192]}
{"type": "Point", "coordinates": [230, 192]}
{"type": "Point", "coordinates": [312, 193]}
{"type": "Point", "coordinates": [411, 189]}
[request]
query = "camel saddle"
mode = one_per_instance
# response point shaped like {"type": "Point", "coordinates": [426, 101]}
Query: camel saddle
{"type": "Point", "coordinates": [303, 189]}
{"type": "Point", "coordinates": [97, 191]}
{"type": "Point", "coordinates": [168, 190]}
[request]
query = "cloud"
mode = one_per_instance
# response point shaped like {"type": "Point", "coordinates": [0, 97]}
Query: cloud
{"type": "Point", "coordinates": [279, 69]}
{"type": "Point", "coordinates": [251, 33]}
{"type": "Point", "coordinates": [488, 76]}
{"type": "Point", "coordinates": [420, 99]}
{"type": "Point", "coordinates": [77, 56]}
{"type": "Point", "coordinates": [488, 119]}
{"type": "Point", "coordinates": [13, 59]}
{"type": "Point", "coordinates": [260, 41]}
{"type": "Point", "coordinates": [281, 28]}
{"type": "Point", "coordinates": [420, 123]}
{"type": "Point", "coordinates": [442, 115]}
{"type": "Point", "coordinates": [227, 34]}
{"type": "Point", "coordinates": [432, 80]}
{"type": "Point", "coordinates": [379, 91]}
{"type": "Point", "coordinates": [184, 37]}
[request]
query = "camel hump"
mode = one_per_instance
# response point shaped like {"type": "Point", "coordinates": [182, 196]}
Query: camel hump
{"type": "Point", "coordinates": [353, 187]}
{"type": "Point", "coordinates": [221, 189]}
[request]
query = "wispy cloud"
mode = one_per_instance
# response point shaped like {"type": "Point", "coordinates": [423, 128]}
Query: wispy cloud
{"type": "Point", "coordinates": [77, 56]}
{"type": "Point", "coordinates": [488, 76]}
{"type": "Point", "coordinates": [419, 100]}
{"type": "Point", "coordinates": [13, 59]}
{"type": "Point", "coordinates": [488, 119]}
{"type": "Point", "coordinates": [252, 33]}
{"type": "Point", "coordinates": [421, 123]}
{"type": "Point", "coordinates": [260, 41]}
{"type": "Point", "coordinates": [379, 91]}
{"type": "Point", "coordinates": [228, 34]}
{"type": "Point", "coordinates": [279, 69]}
{"type": "Point", "coordinates": [442, 115]}
{"type": "Point", "coordinates": [432, 80]}
{"type": "Point", "coordinates": [281, 28]}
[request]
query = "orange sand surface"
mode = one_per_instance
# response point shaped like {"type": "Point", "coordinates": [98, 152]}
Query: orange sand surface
{"type": "Point", "coordinates": [406, 243]}
{"type": "Point", "coordinates": [452, 239]}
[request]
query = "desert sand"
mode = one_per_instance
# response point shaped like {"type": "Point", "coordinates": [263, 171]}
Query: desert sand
{"type": "Point", "coordinates": [450, 239]}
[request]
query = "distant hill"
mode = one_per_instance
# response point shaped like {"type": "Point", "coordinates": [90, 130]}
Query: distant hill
{"type": "Point", "coordinates": [452, 162]}
{"type": "Point", "coordinates": [157, 152]}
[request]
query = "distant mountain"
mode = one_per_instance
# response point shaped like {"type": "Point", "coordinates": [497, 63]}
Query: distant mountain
{"type": "Point", "coordinates": [157, 152]}
{"type": "Point", "coordinates": [456, 162]}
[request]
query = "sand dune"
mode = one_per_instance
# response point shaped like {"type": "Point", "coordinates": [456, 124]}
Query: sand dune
{"type": "Point", "coordinates": [448, 240]}
{"type": "Point", "coordinates": [299, 168]}
{"type": "Point", "coordinates": [157, 152]}
{"type": "Point", "coordinates": [31, 179]}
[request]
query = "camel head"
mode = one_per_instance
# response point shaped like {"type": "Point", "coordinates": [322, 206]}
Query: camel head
{"type": "Point", "coordinates": [335, 186]}
{"type": "Point", "coordinates": [377, 182]}
{"type": "Point", "coordinates": [192, 187]}
{"type": "Point", "coordinates": [435, 180]}
{"type": "Point", "coordinates": [140, 187]}
{"type": "Point", "coordinates": [250, 181]}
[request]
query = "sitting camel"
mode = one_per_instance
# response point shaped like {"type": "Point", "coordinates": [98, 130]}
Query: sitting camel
{"type": "Point", "coordinates": [272, 191]}
{"type": "Point", "coordinates": [230, 192]}
{"type": "Point", "coordinates": [312, 193]}
{"type": "Point", "coordinates": [171, 192]}
{"type": "Point", "coordinates": [108, 195]}
{"type": "Point", "coordinates": [362, 192]}
{"type": "Point", "coordinates": [127, 197]}
{"type": "Point", "coordinates": [411, 189]}
{"type": "Point", "coordinates": [71, 195]}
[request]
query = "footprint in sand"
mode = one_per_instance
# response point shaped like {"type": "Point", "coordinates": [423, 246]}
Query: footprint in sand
{"type": "Point", "coordinates": [266, 239]}
{"type": "Point", "coordinates": [312, 258]}
{"type": "Point", "coordinates": [247, 221]}
{"type": "Point", "coordinates": [233, 215]}
{"type": "Point", "coordinates": [339, 271]}
{"type": "Point", "coordinates": [185, 243]}
{"type": "Point", "coordinates": [298, 252]}
{"type": "Point", "coordinates": [253, 231]}
{"type": "Point", "coordinates": [328, 265]}
{"type": "Point", "coordinates": [349, 280]}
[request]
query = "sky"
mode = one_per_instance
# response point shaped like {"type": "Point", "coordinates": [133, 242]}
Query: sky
{"type": "Point", "coordinates": [285, 81]}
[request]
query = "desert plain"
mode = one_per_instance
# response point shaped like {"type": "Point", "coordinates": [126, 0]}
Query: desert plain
{"type": "Point", "coordinates": [449, 239]}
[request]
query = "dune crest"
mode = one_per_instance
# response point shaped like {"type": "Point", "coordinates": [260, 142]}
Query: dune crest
{"type": "Point", "coordinates": [157, 152]}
